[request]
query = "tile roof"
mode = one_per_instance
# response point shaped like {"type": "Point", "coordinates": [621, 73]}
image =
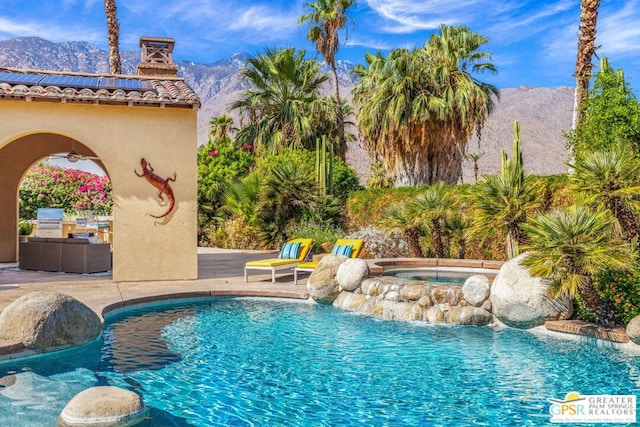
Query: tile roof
{"type": "Point", "coordinates": [36, 85]}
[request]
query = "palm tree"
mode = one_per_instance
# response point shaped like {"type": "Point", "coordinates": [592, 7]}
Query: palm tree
{"type": "Point", "coordinates": [586, 50]}
{"type": "Point", "coordinates": [474, 157]}
{"type": "Point", "coordinates": [433, 207]}
{"type": "Point", "coordinates": [113, 33]}
{"type": "Point", "coordinates": [610, 179]}
{"type": "Point", "coordinates": [221, 126]}
{"type": "Point", "coordinates": [417, 109]}
{"type": "Point", "coordinates": [241, 198]}
{"type": "Point", "coordinates": [569, 247]}
{"type": "Point", "coordinates": [378, 177]}
{"type": "Point", "coordinates": [327, 17]}
{"type": "Point", "coordinates": [281, 107]}
{"type": "Point", "coordinates": [457, 228]}
{"type": "Point", "coordinates": [501, 202]}
{"type": "Point", "coordinates": [397, 217]}
{"type": "Point", "coordinates": [286, 195]}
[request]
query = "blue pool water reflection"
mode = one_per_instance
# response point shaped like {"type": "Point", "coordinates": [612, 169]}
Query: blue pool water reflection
{"type": "Point", "coordinates": [274, 362]}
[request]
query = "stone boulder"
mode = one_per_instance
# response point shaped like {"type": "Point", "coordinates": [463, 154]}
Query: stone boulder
{"type": "Point", "coordinates": [522, 301]}
{"type": "Point", "coordinates": [469, 315]}
{"type": "Point", "coordinates": [103, 406]}
{"type": "Point", "coordinates": [322, 284]}
{"type": "Point", "coordinates": [476, 289]}
{"type": "Point", "coordinates": [351, 273]}
{"type": "Point", "coordinates": [434, 315]}
{"type": "Point", "coordinates": [349, 301]}
{"type": "Point", "coordinates": [413, 292]}
{"type": "Point", "coordinates": [633, 330]}
{"type": "Point", "coordinates": [48, 320]}
{"type": "Point", "coordinates": [448, 295]}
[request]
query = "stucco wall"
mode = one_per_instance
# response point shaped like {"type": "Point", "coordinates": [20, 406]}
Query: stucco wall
{"type": "Point", "coordinates": [144, 248]}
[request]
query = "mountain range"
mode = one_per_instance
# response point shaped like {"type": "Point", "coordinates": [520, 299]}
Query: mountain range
{"type": "Point", "coordinates": [544, 114]}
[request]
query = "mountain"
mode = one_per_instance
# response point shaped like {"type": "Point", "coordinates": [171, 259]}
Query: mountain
{"type": "Point", "coordinates": [544, 114]}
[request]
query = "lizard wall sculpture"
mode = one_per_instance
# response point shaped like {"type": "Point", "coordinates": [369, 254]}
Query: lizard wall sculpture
{"type": "Point", "coordinates": [161, 184]}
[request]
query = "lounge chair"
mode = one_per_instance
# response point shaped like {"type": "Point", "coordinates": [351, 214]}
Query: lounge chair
{"type": "Point", "coordinates": [291, 254]}
{"type": "Point", "coordinates": [347, 247]}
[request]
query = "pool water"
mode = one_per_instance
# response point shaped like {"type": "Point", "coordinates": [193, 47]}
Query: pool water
{"type": "Point", "coordinates": [435, 276]}
{"type": "Point", "coordinates": [242, 362]}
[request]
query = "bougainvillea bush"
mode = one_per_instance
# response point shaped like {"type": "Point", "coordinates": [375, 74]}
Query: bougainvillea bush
{"type": "Point", "coordinates": [74, 190]}
{"type": "Point", "coordinates": [622, 288]}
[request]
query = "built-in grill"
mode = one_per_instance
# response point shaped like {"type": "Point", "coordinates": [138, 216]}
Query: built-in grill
{"type": "Point", "coordinates": [49, 222]}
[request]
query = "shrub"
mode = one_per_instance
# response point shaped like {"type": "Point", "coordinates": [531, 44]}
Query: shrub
{"type": "Point", "coordinates": [219, 162]}
{"type": "Point", "coordinates": [345, 179]}
{"type": "Point", "coordinates": [379, 243]}
{"type": "Point", "coordinates": [320, 232]}
{"type": "Point", "coordinates": [25, 228]}
{"type": "Point", "coordinates": [234, 233]}
{"type": "Point", "coordinates": [74, 190]}
{"type": "Point", "coordinates": [622, 289]}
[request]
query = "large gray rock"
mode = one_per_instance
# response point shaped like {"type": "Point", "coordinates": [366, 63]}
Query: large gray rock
{"type": "Point", "coordinates": [47, 320]}
{"type": "Point", "coordinates": [476, 289]}
{"type": "Point", "coordinates": [103, 406]}
{"type": "Point", "coordinates": [351, 273]}
{"type": "Point", "coordinates": [633, 330]}
{"type": "Point", "coordinates": [522, 301]}
{"type": "Point", "coordinates": [322, 284]}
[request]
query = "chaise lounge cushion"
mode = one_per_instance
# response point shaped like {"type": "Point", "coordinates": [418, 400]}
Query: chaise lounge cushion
{"type": "Point", "coordinates": [342, 250]}
{"type": "Point", "coordinates": [290, 250]}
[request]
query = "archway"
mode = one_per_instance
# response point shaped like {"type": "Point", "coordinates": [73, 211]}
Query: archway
{"type": "Point", "coordinates": [16, 158]}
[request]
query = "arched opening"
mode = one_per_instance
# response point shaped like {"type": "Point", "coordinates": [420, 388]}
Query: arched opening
{"type": "Point", "coordinates": [17, 157]}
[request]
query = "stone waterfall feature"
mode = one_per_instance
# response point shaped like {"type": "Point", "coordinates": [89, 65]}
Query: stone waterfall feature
{"type": "Point", "coordinates": [345, 283]}
{"type": "Point", "coordinates": [515, 298]}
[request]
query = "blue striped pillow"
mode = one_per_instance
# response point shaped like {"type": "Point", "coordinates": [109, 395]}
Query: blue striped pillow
{"type": "Point", "coordinates": [289, 251]}
{"type": "Point", "coordinates": [342, 250]}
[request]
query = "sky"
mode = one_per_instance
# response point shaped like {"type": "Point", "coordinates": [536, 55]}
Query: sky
{"type": "Point", "coordinates": [533, 43]}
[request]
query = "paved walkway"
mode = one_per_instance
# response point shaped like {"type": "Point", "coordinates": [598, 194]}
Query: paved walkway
{"type": "Point", "coordinates": [220, 272]}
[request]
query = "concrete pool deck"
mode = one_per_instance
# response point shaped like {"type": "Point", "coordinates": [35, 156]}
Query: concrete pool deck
{"type": "Point", "coordinates": [220, 273]}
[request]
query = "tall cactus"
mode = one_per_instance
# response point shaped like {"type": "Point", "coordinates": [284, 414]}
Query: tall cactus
{"type": "Point", "coordinates": [324, 165]}
{"type": "Point", "coordinates": [513, 176]}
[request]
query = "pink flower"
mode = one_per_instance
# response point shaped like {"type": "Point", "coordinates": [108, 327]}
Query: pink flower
{"type": "Point", "coordinates": [213, 153]}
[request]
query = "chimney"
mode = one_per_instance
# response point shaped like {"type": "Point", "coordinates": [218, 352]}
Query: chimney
{"type": "Point", "coordinates": [157, 57]}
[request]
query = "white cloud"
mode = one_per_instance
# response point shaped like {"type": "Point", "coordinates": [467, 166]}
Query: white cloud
{"type": "Point", "coordinates": [49, 31]}
{"type": "Point", "coordinates": [266, 23]}
{"type": "Point", "coordinates": [618, 31]}
{"type": "Point", "coordinates": [407, 16]}
{"type": "Point", "coordinates": [376, 44]}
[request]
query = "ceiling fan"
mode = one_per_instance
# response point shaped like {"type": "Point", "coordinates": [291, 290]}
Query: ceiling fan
{"type": "Point", "coordinates": [72, 156]}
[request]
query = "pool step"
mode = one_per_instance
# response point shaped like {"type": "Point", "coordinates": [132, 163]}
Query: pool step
{"type": "Point", "coordinates": [579, 327]}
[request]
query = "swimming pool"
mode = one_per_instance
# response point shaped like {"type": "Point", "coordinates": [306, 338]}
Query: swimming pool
{"type": "Point", "coordinates": [436, 275]}
{"type": "Point", "coordinates": [237, 361]}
